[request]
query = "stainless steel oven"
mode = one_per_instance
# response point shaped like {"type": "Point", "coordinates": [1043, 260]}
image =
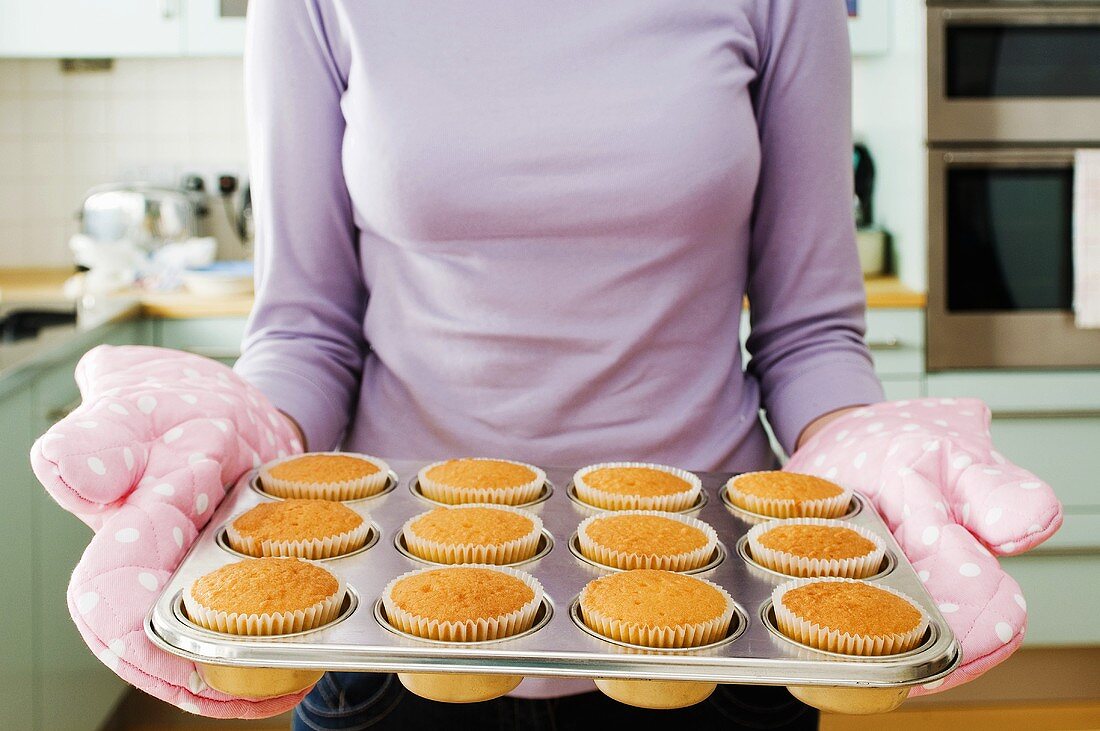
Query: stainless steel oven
{"type": "Point", "coordinates": [1013, 71]}
{"type": "Point", "coordinates": [1000, 280]}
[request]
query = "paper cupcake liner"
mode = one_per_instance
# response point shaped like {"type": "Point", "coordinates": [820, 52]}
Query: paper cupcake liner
{"type": "Point", "coordinates": [792, 564]}
{"type": "Point", "coordinates": [280, 623]}
{"type": "Point", "coordinates": [313, 548]}
{"type": "Point", "coordinates": [452, 495]}
{"type": "Point", "coordinates": [666, 636]}
{"type": "Point", "coordinates": [627, 560]}
{"type": "Point", "coordinates": [613, 501]}
{"type": "Point", "coordinates": [830, 507]}
{"type": "Point", "coordinates": [519, 549]}
{"type": "Point", "coordinates": [344, 490]}
{"type": "Point", "coordinates": [834, 640]}
{"type": "Point", "coordinates": [479, 630]}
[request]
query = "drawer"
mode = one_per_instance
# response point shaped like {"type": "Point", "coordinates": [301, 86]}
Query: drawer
{"type": "Point", "coordinates": [1062, 594]}
{"type": "Point", "coordinates": [213, 337]}
{"type": "Point", "coordinates": [896, 340]}
{"type": "Point", "coordinates": [898, 389]}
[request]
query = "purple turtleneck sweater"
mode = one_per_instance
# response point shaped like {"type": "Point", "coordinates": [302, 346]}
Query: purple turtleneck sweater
{"type": "Point", "coordinates": [526, 229]}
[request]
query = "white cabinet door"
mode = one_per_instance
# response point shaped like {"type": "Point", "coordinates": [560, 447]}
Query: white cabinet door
{"type": "Point", "coordinates": [214, 27]}
{"type": "Point", "coordinates": [90, 28]}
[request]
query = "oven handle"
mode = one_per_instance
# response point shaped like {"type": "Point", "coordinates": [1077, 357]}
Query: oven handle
{"type": "Point", "coordinates": [1004, 414]}
{"type": "Point", "coordinates": [1022, 16]}
{"type": "Point", "coordinates": [1060, 157]}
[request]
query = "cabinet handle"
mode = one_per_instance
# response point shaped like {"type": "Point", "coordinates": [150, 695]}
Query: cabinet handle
{"type": "Point", "coordinates": [56, 415]}
{"type": "Point", "coordinates": [1047, 414]}
{"type": "Point", "coordinates": [887, 344]}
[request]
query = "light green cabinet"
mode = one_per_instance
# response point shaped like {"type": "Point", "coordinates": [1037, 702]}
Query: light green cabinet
{"type": "Point", "coordinates": [213, 337]}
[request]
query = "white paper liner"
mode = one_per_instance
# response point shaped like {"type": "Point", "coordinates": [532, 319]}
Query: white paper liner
{"type": "Point", "coordinates": [519, 549]}
{"type": "Point", "coordinates": [792, 564]}
{"type": "Point", "coordinates": [660, 636]}
{"type": "Point", "coordinates": [614, 501]}
{"type": "Point", "coordinates": [830, 507]}
{"type": "Point", "coordinates": [345, 490]}
{"type": "Point", "coordinates": [265, 624]}
{"type": "Point", "coordinates": [833, 640]}
{"type": "Point", "coordinates": [313, 548]}
{"type": "Point", "coordinates": [479, 630]}
{"type": "Point", "coordinates": [452, 495]}
{"type": "Point", "coordinates": [627, 560]}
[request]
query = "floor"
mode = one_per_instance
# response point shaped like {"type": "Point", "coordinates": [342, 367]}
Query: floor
{"type": "Point", "coordinates": [1037, 690]}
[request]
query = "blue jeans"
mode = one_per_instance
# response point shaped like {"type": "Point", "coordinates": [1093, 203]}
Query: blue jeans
{"type": "Point", "coordinates": [358, 701]}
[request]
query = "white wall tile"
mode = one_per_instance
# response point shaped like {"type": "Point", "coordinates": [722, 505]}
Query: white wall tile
{"type": "Point", "coordinates": [41, 76]}
{"type": "Point", "coordinates": [11, 115]}
{"type": "Point", "coordinates": [44, 117]}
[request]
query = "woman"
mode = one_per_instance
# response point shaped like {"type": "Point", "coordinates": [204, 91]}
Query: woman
{"type": "Point", "coordinates": [527, 230]}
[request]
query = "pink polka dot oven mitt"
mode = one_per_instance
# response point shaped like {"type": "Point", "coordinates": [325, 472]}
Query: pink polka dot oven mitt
{"type": "Point", "coordinates": [144, 461]}
{"type": "Point", "coordinates": [952, 502]}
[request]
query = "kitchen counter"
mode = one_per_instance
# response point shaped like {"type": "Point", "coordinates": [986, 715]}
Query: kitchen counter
{"type": "Point", "coordinates": [45, 285]}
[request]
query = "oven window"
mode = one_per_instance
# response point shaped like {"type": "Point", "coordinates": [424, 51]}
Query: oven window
{"type": "Point", "coordinates": [1009, 239]}
{"type": "Point", "coordinates": [1019, 61]}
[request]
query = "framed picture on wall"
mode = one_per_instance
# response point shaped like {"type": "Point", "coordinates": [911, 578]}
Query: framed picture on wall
{"type": "Point", "coordinates": [869, 26]}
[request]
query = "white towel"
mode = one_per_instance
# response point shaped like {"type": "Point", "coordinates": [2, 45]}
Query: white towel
{"type": "Point", "coordinates": [1086, 239]}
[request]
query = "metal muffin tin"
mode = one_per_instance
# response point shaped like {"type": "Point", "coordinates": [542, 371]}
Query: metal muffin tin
{"type": "Point", "coordinates": [754, 652]}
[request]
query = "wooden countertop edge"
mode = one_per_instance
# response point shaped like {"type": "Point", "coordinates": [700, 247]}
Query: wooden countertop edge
{"type": "Point", "coordinates": [41, 285]}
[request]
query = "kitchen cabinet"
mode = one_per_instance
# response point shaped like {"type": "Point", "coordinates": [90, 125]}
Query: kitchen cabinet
{"type": "Point", "coordinates": [121, 28]}
{"type": "Point", "coordinates": [213, 337]}
{"type": "Point", "coordinates": [90, 28]}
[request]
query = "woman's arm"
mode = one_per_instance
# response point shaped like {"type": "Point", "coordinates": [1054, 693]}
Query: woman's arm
{"type": "Point", "coordinates": [805, 288]}
{"type": "Point", "coordinates": [304, 345]}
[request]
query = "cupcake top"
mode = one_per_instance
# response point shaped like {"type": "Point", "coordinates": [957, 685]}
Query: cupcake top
{"type": "Point", "coordinates": [264, 586]}
{"type": "Point", "coordinates": [641, 481]}
{"type": "Point", "coordinates": [296, 520]}
{"type": "Point", "coordinates": [852, 607]}
{"type": "Point", "coordinates": [828, 542]}
{"type": "Point", "coordinates": [493, 474]}
{"type": "Point", "coordinates": [460, 593]}
{"type": "Point", "coordinates": [654, 597]}
{"type": "Point", "coordinates": [644, 534]}
{"type": "Point", "coordinates": [323, 468]}
{"type": "Point", "coordinates": [786, 486]}
{"type": "Point", "coordinates": [480, 524]}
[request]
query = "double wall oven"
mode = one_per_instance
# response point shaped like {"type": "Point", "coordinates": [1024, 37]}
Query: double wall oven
{"type": "Point", "coordinates": [1013, 93]}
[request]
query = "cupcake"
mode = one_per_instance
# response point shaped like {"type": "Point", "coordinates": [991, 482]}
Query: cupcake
{"type": "Point", "coordinates": [636, 486]}
{"type": "Point", "coordinates": [480, 480]}
{"type": "Point", "coordinates": [816, 547]}
{"type": "Point", "coordinates": [646, 539]}
{"type": "Point", "coordinates": [487, 534]}
{"type": "Point", "coordinates": [788, 495]}
{"type": "Point", "coordinates": [261, 597]}
{"type": "Point", "coordinates": [660, 610]}
{"type": "Point", "coordinates": [304, 528]}
{"type": "Point", "coordinates": [264, 596]}
{"type": "Point", "coordinates": [325, 476]}
{"type": "Point", "coordinates": [470, 603]}
{"type": "Point", "coordinates": [848, 616]}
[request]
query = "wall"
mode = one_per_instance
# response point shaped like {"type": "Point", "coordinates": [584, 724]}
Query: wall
{"type": "Point", "coordinates": [888, 115]}
{"type": "Point", "coordinates": [61, 134]}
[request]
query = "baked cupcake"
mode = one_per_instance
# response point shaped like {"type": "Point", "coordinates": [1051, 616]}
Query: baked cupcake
{"type": "Point", "coordinates": [264, 596]}
{"type": "Point", "coordinates": [325, 476]}
{"type": "Point", "coordinates": [848, 616]}
{"type": "Point", "coordinates": [481, 480]}
{"type": "Point", "coordinates": [636, 486]}
{"type": "Point", "coordinates": [470, 603]}
{"type": "Point", "coordinates": [788, 495]}
{"type": "Point", "coordinates": [646, 539]}
{"type": "Point", "coordinates": [816, 547]}
{"type": "Point", "coordinates": [660, 610]}
{"type": "Point", "coordinates": [311, 529]}
{"type": "Point", "coordinates": [486, 534]}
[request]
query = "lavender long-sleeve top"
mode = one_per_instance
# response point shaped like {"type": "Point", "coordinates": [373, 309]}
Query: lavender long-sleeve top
{"type": "Point", "coordinates": [526, 229]}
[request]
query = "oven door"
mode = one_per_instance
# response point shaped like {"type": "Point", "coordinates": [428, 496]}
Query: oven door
{"type": "Point", "coordinates": [1000, 276]}
{"type": "Point", "coordinates": [1028, 73]}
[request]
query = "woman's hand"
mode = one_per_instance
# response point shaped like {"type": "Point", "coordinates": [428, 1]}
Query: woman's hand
{"type": "Point", "coordinates": [952, 502]}
{"type": "Point", "coordinates": [144, 461]}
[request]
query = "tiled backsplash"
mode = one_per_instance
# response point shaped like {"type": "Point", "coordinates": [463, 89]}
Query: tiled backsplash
{"type": "Point", "coordinates": [62, 133]}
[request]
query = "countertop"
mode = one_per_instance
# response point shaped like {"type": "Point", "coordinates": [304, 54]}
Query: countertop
{"type": "Point", "coordinates": [45, 285]}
